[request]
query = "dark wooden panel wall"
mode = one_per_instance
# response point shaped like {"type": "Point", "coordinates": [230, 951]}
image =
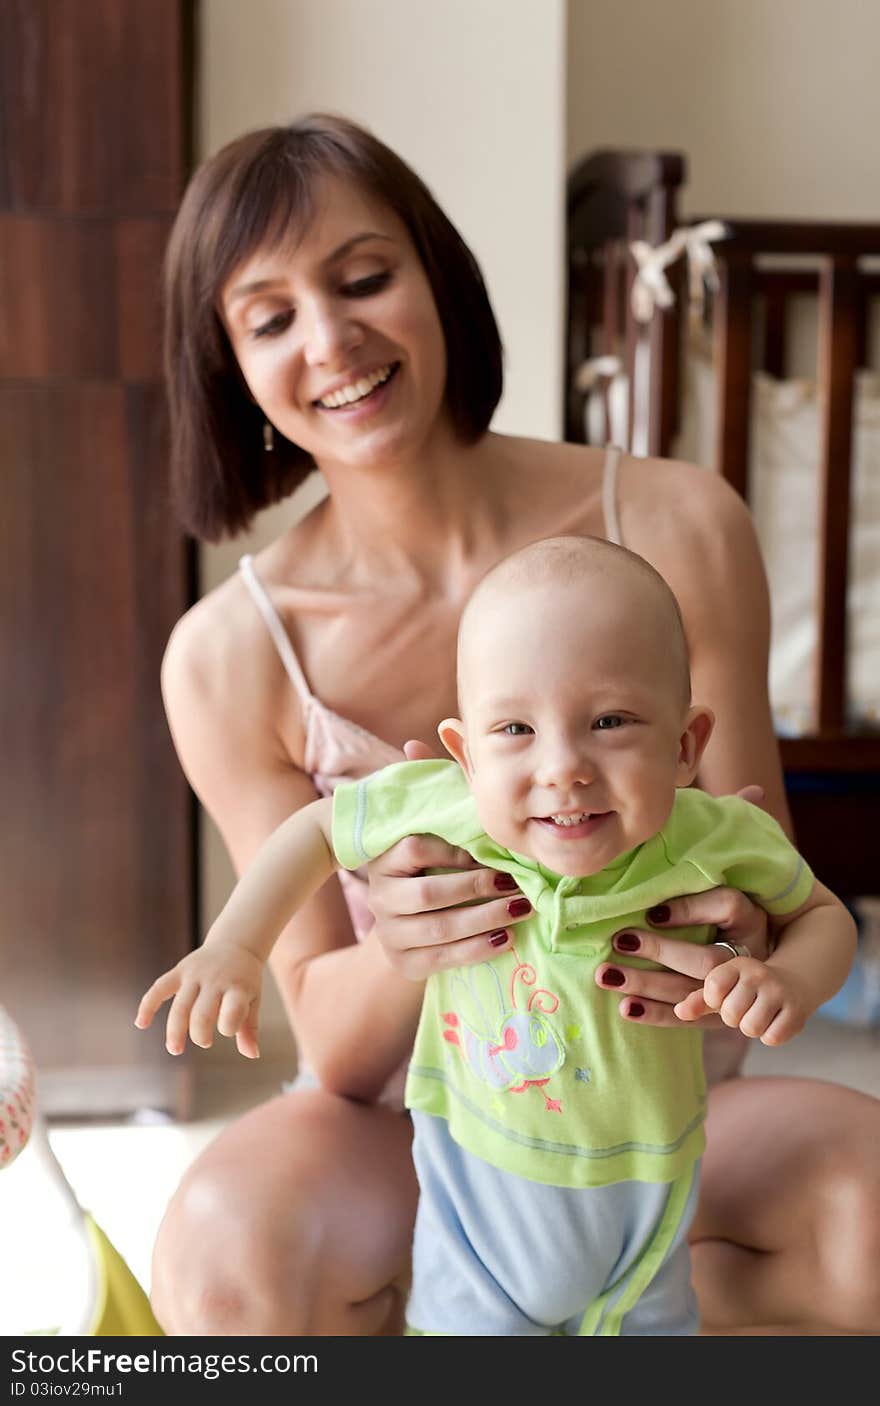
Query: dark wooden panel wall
{"type": "Point", "coordinates": [96, 823]}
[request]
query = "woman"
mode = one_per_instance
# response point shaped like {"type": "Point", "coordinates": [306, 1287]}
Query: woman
{"type": "Point", "coordinates": [320, 304]}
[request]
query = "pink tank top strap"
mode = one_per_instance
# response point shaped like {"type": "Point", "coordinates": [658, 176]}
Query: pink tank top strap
{"type": "Point", "coordinates": [272, 621]}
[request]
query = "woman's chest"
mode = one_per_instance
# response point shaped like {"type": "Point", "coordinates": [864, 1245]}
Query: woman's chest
{"type": "Point", "coordinates": [382, 652]}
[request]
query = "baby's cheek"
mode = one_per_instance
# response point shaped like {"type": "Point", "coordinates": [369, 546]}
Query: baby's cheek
{"type": "Point", "coordinates": [498, 819]}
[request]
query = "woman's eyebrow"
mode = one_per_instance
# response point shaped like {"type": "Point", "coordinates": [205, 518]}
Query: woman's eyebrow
{"type": "Point", "coordinates": [349, 244]}
{"type": "Point", "coordinates": [260, 285]}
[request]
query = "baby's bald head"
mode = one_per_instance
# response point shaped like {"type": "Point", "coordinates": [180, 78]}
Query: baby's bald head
{"type": "Point", "coordinates": [595, 580]}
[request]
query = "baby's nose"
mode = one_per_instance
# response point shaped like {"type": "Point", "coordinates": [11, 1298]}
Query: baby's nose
{"type": "Point", "coordinates": [564, 763]}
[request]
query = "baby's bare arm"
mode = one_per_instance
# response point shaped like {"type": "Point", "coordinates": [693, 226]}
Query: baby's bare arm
{"type": "Point", "coordinates": [286, 871]}
{"type": "Point", "coordinates": [220, 983]}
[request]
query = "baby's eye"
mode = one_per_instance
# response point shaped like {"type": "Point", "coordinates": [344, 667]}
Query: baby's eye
{"type": "Point", "coordinates": [517, 729]}
{"type": "Point", "coordinates": [275, 325]}
{"type": "Point", "coordinates": [365, 287]}
{"type": "Point", "coordinates": [609, 720]}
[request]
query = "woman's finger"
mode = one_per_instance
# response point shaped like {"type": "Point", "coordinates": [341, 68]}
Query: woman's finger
{"type": "Point", "coordinates": [416, 751]}
{"type": "Point", "coordinates": [729, 910]}
{"type": "Point", "coordinates": [421, 962]}
{"type": "Point", "coordinates": [659, 1013]}
{"type": "Point", "coordinates": [412, 856]}
{"type": "Point", "coordinates": [669, 987]}
{"type": "Point", "coordinates": [691, 959]}
{"type": "Point", "coordinates": [432, 893]}
{"type": "Point", "coordinates": [423, 930]}
{"type": "Point", "coordinates": [753, 794]}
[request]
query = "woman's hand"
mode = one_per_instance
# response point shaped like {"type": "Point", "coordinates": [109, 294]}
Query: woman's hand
{"type": "Point", "coordinates": [426, 922]}
{"type": "Point", "coordinates": [649, 996]}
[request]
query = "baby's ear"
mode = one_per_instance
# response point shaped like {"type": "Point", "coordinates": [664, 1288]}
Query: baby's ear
{"type": "Point", "coordinates": [452, 735]}
{"type": "Point", "coordinates": [692, 743]}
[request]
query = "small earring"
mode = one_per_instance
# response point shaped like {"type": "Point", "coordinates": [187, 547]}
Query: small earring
{"type": "Point", "coordinates": [268, 437]}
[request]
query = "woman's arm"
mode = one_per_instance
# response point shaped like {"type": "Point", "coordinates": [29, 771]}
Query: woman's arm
{"type": "Point", "coordinates": [235, 730]}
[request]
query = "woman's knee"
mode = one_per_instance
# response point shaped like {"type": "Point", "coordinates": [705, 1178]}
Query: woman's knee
{"type": "Point", "coordinates": [265, 1233]}
{"type": "Point", "coordinates": [848, 1244]}
{"type": "Point", "coordinates": [228, 1254]}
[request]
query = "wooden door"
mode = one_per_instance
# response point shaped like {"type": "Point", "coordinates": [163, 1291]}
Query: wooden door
{"type": "Point", "coordinates": [97, 829]}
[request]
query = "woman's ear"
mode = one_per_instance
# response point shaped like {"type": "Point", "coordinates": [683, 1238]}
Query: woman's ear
{"type": "Point", "coordinates": [452, 735]}
{"type": "Point", "coordinates": [692, 743]}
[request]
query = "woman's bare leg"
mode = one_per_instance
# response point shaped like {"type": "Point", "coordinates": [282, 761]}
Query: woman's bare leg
{"type": "Point", "coordinates": [296, 1220]}
{"type": "Point", "coordinates": [787, 1235]}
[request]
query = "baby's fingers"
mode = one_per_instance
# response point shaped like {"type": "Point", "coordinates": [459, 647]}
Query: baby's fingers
{"type": "Point", "coordinates": [693, 1007]}
{"type": "Point", "coordinates": [246, 1040]}
{"type": "Point", "coordinates": [203, 1016]}
{"type": "Point", "coordinates": [177, 1027]}
{"type": "Point", "coordinates": [162, 989]}
{"type": "Point", "coordinates": [239, 1015]}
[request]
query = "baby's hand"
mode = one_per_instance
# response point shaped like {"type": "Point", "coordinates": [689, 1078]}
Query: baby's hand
{"type": "Point", "coordinates": [217, 985]}
{"type": "Point", "coordinates": [763, 1002]}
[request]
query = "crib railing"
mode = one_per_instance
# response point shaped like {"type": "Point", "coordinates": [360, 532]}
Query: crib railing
{"type": "Point", "coordinates": [844, 292]}
{"type": "Point", "coordinates": [614, 198]}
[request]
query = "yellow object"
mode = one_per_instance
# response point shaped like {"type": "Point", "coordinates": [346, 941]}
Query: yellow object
{"type": "Point", "coordinates": [122, 1309]}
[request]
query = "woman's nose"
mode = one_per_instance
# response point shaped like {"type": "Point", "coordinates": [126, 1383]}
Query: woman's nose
{"type": "Point", "coordinates": [330, 334]}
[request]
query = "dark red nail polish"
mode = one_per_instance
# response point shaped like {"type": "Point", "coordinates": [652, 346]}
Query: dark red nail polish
{"type": "Point", "coordinates": [505, 883]}
{"type": "Point", "coordinates": [635, 1009]}
{"type": "Point", "coordinates": [659, 913]}
{"type": "Point", "coordinates": [498, 939]}
{"type": "Point", "coordinates": [518, 907]}
{"type": "Point", "coordinates": [627, 942]}
{"type": "Point", "coordinates": [613, 977]}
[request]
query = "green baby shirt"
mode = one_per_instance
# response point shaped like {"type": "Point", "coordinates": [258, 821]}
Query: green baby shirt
{"type": "Point", "coordinates": [524, 1055]}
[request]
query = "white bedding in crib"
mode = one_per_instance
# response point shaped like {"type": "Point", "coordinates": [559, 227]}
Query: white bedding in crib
{"type": "Point", "coordinates": [784, 453]}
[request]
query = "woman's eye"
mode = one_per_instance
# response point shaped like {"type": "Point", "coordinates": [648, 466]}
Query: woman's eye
{"type": "Point", "coordinates": [275, 325]}
{"type": "Point", "coordinates": [364, 287]}
{"type": "Point", "coordinates": [517, 729]}
{"type": "Point", "coordinates": [609, 720]}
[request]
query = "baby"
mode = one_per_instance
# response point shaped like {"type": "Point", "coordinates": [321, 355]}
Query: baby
{"type": "Point", "coordinates": [557, 1145]}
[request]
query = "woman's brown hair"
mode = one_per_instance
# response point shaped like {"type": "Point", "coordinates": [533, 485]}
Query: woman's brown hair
{"type": "Point", "coordinates": [260, 189]}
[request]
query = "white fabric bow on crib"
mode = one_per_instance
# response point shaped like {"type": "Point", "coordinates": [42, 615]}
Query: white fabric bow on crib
{"type": "Point", "coordinates": [598, 368]}
{"type": "Point", "coordinates": [651, 288]}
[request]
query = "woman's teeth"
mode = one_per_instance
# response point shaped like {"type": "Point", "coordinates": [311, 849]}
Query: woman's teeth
{"type": "Point", "coordinates": [356, 390]}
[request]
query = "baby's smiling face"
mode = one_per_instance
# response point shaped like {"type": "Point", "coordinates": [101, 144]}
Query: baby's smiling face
{"type": "Point", "coordinates": [576, 721]}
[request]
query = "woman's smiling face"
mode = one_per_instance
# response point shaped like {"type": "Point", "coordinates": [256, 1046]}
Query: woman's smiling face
{"type": "Point", "coordinates": [337, 334]}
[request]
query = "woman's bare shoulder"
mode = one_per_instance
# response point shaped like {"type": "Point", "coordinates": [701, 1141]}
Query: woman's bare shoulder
{"type": "Point", "coordinates": [685, 519]}
{"type": "Point", "coordinates": [207, 640]}
{"type": "Point", "coordinates": [550, 454]}
{"type": "Point", "coordinates": [220, 669]}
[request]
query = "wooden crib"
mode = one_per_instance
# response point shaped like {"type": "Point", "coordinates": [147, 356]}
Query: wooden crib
{"type": "Point", "coordinates": [833, 768]}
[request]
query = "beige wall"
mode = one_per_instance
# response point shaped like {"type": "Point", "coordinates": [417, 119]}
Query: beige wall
{"type": "Point", "coordinates": [470, 93]}
{"type": "Point", "coordinates": [776, 103]}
